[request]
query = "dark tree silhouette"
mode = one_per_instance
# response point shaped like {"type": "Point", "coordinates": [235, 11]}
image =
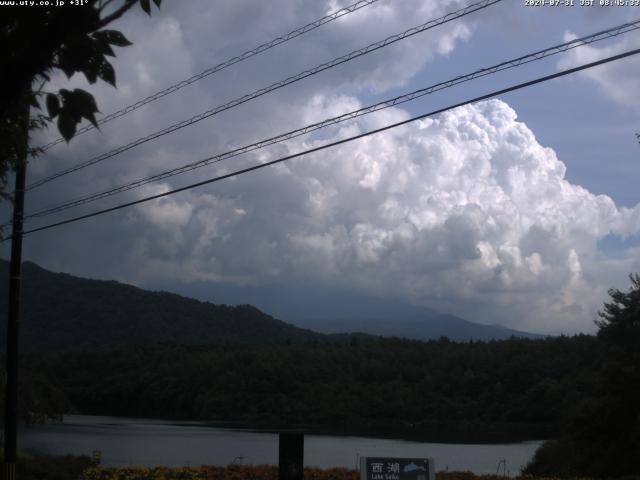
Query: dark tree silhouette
{"type": "Point", "coordinates": [35, 42]}
{"type": "Point", "coordinates": [618, 422]}
{"type": "Point", "coordinates": [604, 439]}
{"type": "Point", "coordinates": [40, 399]}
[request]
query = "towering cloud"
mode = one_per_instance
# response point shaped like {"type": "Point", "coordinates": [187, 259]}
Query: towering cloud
{"type": "Point", "coordinates": [466, 211]}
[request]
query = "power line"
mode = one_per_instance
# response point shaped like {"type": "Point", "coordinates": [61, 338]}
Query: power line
{"type": "Point", "coordinates": [275, 86]}
{"type": "Point", "coordinates": [338, 142]}
{"type": "Point", "coordinates": [539, 55]}
{"type": "Point", "coordinates": [221, 66]}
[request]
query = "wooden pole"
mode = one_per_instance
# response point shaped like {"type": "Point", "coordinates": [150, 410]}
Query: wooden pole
{"type": "Point", "coordinates": [13, 319]}
{"type": "Point", "coordinates": [290, 456]}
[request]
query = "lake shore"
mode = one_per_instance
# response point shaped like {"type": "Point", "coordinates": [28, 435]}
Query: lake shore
{"type": "Point", "coordinates": [125, 442]}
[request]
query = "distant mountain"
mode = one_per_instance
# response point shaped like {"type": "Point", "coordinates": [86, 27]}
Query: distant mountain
{"type": "Point", "coordinates": [428, 325]}
{"type": "Point", "coordinates": [332, 309]}
{"type": "Point", "coordinates": [62, 312]}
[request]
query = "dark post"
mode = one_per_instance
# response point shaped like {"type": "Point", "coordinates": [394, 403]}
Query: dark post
{"type": "Point", "coordinates": [13, 319]}
{"type": "Point", "coordinates": [290, 456]}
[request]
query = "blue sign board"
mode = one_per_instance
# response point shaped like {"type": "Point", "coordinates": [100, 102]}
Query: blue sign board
{"type": "Point", "coordinates": [392, 468]}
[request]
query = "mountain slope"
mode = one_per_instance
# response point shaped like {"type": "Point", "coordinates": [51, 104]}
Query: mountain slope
{"type": "Point", "coordinates": [329, 309]}
{"type": "Point", "coordinates": [61, 311]}
{"type": "Point", "coordinates": [427, 325]}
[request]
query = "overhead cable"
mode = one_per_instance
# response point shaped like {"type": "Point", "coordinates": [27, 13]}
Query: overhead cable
{"type": "Point", "coordinates": [275, 86]}
{"type": "Point", "coordinates": [523, 60]}
{"type": "Point", "coordinates": [333, 144]}
{"type": "Point", "coordinates": [221, 66]}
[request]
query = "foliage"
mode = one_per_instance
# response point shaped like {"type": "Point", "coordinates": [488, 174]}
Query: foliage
{"type": "Point", "coordinates": [68, 467]}
{"type": "Point", "coordinates": [231, 472]}
{"type": "Point", "coordinates": [239, 364]}
{"type": "Point", "coordinates": [40, 399]}
{"type": "Point", "coordinates": [438, 390]}
{"type": "Point", "coordinates": [37, 41]}
{"type": "Point", "coordinates": [65, 312]}
{"type": "Point", "coordinates": [13, 139]}
{"type": "Point", "coordinates": [257, 472]}
{"type": "Point", "coordinates": [472, 476]}
{"type": "Point", "coordinates": [81, 468]}
{"type": "Point", "coordinates": [253, 368]}
{"type": "Point", "coordinates": [618, 402]}
{"type": "Point", "coordinates": [605, 438]}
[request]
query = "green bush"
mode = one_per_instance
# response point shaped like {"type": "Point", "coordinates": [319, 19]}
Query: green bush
{"type": "Point", "coordinates": [51, 468]}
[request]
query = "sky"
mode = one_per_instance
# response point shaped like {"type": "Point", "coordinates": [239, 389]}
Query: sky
{"type": "Point", "coordinates": [521, 210]}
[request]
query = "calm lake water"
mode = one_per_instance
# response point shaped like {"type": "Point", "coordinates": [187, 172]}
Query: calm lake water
{"type": "Point", "coordinates": [125, 441]}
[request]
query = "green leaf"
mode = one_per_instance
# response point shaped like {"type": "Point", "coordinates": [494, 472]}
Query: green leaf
{"type": "Point", "coordinates": [68, 71]}
{"type": "Point", "coordinates": [85, 105]}
{"type": "Point", "coordinates": [53, 105]}
{"type": "Point", "coordinates": [92, 118]}
{"type": "Point", "coordinates": [76, 105]}
{"type": "Point", "coordinates": [104, 48]}
{"type": "Point", "coordinates": [84, 101]}
{"type": "Point", "coordinates": [107, 73]}
{"type": "Point", "coordinates": [113, 37]}
{"type": "Point", "coordinates": [70, 106]}
{"type": "Point", "coordinates": [76, 56]}
{"type": "Point", "coordinates": [157, 2]}
{"type": "Point", "coordinates": [66, 125]}
{"type": "Point", "coordinates": [146, 6]}
{"type": "Point", "coordinates": [65, 94]}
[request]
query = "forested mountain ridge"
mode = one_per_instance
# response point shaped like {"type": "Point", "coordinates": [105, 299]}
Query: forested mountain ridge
{"type": "Point", "coordinates": [115, 349]}
{"type": "Point", "coordinates": [439, 390]}
{"type": "Point", "coordinates": [62, 312]}
{"type": "Point", "coordinates": [421, 324]}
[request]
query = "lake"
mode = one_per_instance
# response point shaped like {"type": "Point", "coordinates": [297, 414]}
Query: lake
{"type": "Point", "coordinates": [126, 441]}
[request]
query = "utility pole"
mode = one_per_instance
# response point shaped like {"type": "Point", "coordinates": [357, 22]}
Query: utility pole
{"type": "Point", "coordinates": [13, 319]}
{"type": "Point", "coordinates": [291, 456]}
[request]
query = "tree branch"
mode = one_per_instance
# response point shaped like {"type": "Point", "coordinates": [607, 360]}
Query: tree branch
{"type": "Point", "coordinates": [115, 15]}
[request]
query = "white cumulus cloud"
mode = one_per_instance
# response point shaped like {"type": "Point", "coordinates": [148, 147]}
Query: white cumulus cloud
{"type": "Point", "coordinates": [617, 80]}
{"type": "Point", "coordinates": [466, 212]}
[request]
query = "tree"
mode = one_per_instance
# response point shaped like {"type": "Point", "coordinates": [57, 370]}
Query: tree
{"type": "Point", "coordinates": [41, 399]}
{"type": "Point", "coordinates": [39, 40]}
{"type": "Point", "coordinates": [618, 425]}
{"type": "Point", "coordinates": [604, 439]}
